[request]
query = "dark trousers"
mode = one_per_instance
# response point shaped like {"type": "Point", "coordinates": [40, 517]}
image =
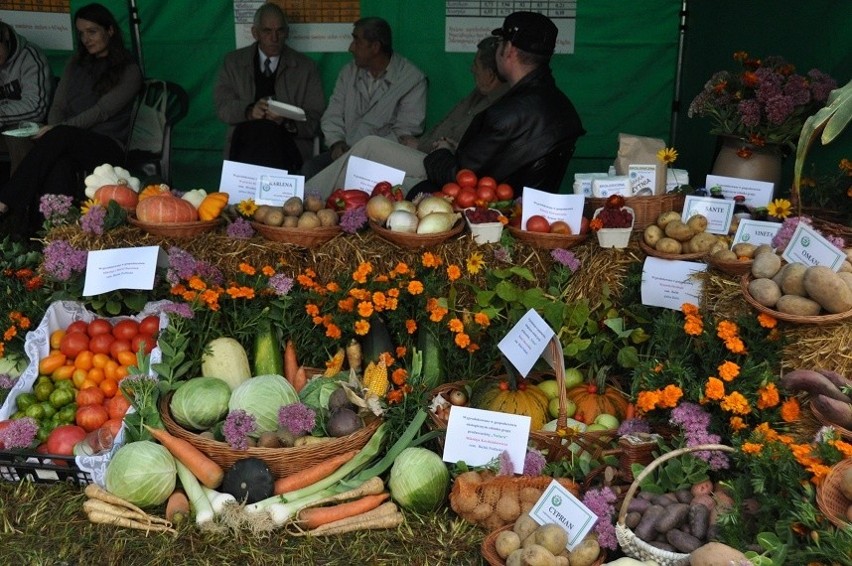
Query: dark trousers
{"type": "Point", "coordinates": [263, 142]}
{"type": "Point", "coordinates": [54, 166]}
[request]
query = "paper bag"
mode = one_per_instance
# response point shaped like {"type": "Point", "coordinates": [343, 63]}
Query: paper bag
{"type": "Point", "coordinates": [640, 150]}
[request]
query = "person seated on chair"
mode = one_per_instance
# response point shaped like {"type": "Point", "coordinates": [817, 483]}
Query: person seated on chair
{"type": "Point", "coordinates": [249, 77]}
{"type": "Point", "coordinates": [378, 93]}
{"type": "Point", "coordinates": [89, 119]}
{"type": "Point", "coordinates": [26, 85]}
{"type": "Point", "coordinates": [408, 154]}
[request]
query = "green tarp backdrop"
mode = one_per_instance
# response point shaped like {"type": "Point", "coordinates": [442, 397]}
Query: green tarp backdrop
{"type": "Point", "coordinates": [621, 77]}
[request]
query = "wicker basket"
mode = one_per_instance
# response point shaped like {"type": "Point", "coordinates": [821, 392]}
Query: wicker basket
{"type": "Point", "coordinates": [281, 461]}
{"type": "Point", "coordinates": [546, 240]}
{"type": "Point", "coordinates": [635, 449]}
{"type": "Point", "coordinates": [175, 229]}
{"type": "Point", "coordinates": [798, 319]}
{"type": "Point", "coordinates": [439, 422]}
{"type": "Point", "coordinates": [489, 549]}
{"type": "Point", "coordinates": [645, 209]}
{"type": "Point", "coordinates": [304, 237]}
{"type": "Point", "coordinates": [736, 267]}
{"type": "Point", "coordinates": [844, 433]}
{"type": "Point", "coordinates": [662, 255]}
{"type": "Point", "coordinates": [416, 241]}
{"type": "Point", "coordinates": [632, 545]}
{"type": "Point", "coordinates": [830, 499]}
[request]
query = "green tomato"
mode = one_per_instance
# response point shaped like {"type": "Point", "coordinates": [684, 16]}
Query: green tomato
{"type": "Point", "coordinates": [43, 432]}
{"type": "Point", "coordinates": [43, 390]}
{"type": "Point", "coordinates": [35, 411]}
{"type": "Point", "coordinates": [25, 400]}
{"type": "Point", "coordinates": [64, 384]}
{"type": "Point", "coordinates": [67, 414]}
{"type": "Point", "coordinates": [49, 410]}
{"type": "Point", "coordinates": [61, 396]}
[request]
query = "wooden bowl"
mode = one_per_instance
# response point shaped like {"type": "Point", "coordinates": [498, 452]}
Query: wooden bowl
{"type": "Point", "coordinates": [652, 252]}
{"type": "Point", "coordinates": [546, 240]}
{"type": "Point", "coordinates": [736, 267]}
{"type": "Point", "coordinates": [417, 241]}
{"type": "Point", "coordinates": [175, 229]}
{"type": "Point", "coordinates": [304, 237]}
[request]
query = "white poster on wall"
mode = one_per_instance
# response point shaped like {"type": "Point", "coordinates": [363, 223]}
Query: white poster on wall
{"type": "Point", "coordinates": [321, 26]}
{"type": "Point", "coordinates": [47, 29]}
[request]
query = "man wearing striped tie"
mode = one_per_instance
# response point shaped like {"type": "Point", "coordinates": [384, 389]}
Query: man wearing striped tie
{"type": "Point", "coordinates": [249, 77]}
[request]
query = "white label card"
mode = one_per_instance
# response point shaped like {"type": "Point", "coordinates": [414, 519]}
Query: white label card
{"type": "Point", "coordinates": [567, 208]}
{"type": "Point", "coordinates": [756, 232]}
{"type": "Point", "coordinates": [365, 174]}
{"type": "Point", "coordinates": [274, 190]}
{"type": "Point", "coordinates": [121, 268]}
{"type": "Point", "coordinates": [643, 179]}
{"type": "Point", "coordinates": [756, 193]}
{"type": "Point", "coordinates": [243, 181]}
{"type": "Point", "coordinates": [670, 283]}
{"type": "Point", "coordinates": [809, 247]}
{"type": "Point", "coordinates": [559, 506]}
{"type": "Point", "coordinates": [476, 437]}
{"type": "Point", "coordinates": [525, 342]}
{"type": "Point", "coordinates": [718, 212]}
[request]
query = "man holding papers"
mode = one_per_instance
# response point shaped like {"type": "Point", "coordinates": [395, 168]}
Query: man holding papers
{"type": "Point", "coordinates": [250, 83]}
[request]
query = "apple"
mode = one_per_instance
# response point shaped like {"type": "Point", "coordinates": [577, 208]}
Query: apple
{"type": "Point", "coordinates": [550, 388]}
{"type": "Point", "coordinates": [596, 427]}
{"type": "Point", "coordinates": [553, 407]}
{"type": "Point", "coordinates": [607, 421]}
{"type": "Point", "coordinates": [573, 377]}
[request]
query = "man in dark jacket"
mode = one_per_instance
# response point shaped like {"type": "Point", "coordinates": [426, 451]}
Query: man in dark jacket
{"type": "Point", "coordinates": [527, 137]}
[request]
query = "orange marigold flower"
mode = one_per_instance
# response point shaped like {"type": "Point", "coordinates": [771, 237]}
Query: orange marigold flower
{"type": "Point", "coordinates": [767, 320]}
{"type": "Point", "coordinates": [767, 397]}
{"type": "Point", "coordinates": [24, 323]}
{"type": "Point", "coordinates": [395, 396]}
{"type": "Point", "coordinates": [332, 287]}
{"type": "Point", "coordinates": [693, 326]}
{"type": "Point", "coordinates": [360, 294]}
{"type": "Point", "coordinates": [362, 327]}
{"type": "Point", "coordinates": [726, 329]}
{"type": "Point", "coordinates": [714, 389]}
{"type": "Point", "coordinates": [735, 346]}
{"type": "Point", "coordinates": [750, 79]}
{"type": "Point", "coordinates": [481, 319]}
{"type": "Point", "coordinates": [752, 448]}
{"type": "Point", "coordinates": [379, 299]}
{"type": "Point", "coordinates": [317, 320]}
{"type": "Point", "coordinates": [387, 358]}
{"type": "Point", "coordinates": [453, 272]}
{"type": "Point", "coordinates": [305, 281]}
{"type": "Point", "coordinates": [689, 309]}
{"type": "Point", "coordinates": [188, 296]}
{"type": "Point", "coordinates": [472, 347]}
{"type": "Point", "coordinates": [365, 309]}
{"type": "Point", "coordinates": [415, 287]}
{"type": "Point", "coordinates": [455, 325]}
{"type": "Point", "coordinates": [391, 305]}
{"type": "Point", "coordinates": [411, 326]}
{"type": "Point", "coordinates": [311, 309]}
{"type": "Point", "coordinates": [658, 368]}
{"type": "Point", "coordinates": [819, 471]}
{"type": "Point", "coordinates": [790, 410]}
{"type": "Point", "coordinates": [393, 293]}
{"type": "Point", "coordinates": [400, 269]}
{"type": "Point", "coordinates": [647, 401]}
{"type": "Point", "coordinates": [401, 351]}
{"type": "Point", "coordinates": [728, 371]}
{"type": "Point", "coordinates": [247, 269]}
{"type": "Point", "coordinates": [196, 283]}
{"type": "Point", "coordinates": [346, 305]}
{"type": "Point", "coordinates": [462, 340]}
{"type": "Point", "coordinates": [431, 260]}
{"type": "Point", "coordinates": [10, 333]}
{"type": "Point", "coordinates": [595, 224]}
{"type": "Point", "coordinates": [438, 314]}
{"type": "Point", "coordinates": [735, 403]}
{"type": "Point", "coordinates": [399, 376]}
{"type": "Point", "coordinates": [844, 447]}
{"type": "Point", "coordinates": [332, 331]}
{"type": "Point", "coordinates": [671, 394]}
{"type": "Point", "coordinates": [737, 423]}
{"type": "Point", "coordinates": [267, 270]}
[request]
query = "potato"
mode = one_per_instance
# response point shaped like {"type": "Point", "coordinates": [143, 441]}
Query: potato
{"type": "Point", "coordinates": [744, 249]}
{"type": "Point", "coordinates": [719, 246]}
{"type": "Point", "coordinates": [652, 234]}
{"type": "Point", "coordinates": [507, 542]}
{"type": "Point", "coordinates": [766, 265]}
{"type": "Point", "coordinates": [290, 222]}
{"type": "Point", "coordinates": [261, 212]}
{"type": "Point", "coordinates": [313, 203]}
{"type": "Point", "coordinates": [763, 249]}
{"type": "Point", "coordinates": [702, 242]}
{"type": "Point", "coordinates": [508, 508]}
{"type": "Point", "coordinates": [514, 559]}
{"type": "Point", "coordinates": [716, 554]}
{"type": "Point", "coordinates": [682, 541]}
{"type": "Point", "coordinates": [669, 246]}
{"type": "Point", "coordinates": [585, 553]}
{"type": "Point", "coordinates": [845, 267]}
{"type": "Point", "coordinates": [327, 217]}
{"type": "Point", "coordinates": [792, 278]}
{"type": "Point", "coordinates": [828, 289]}
{"type": "Point", "coordinates": [798, 305]}
{"type": "Point", "coordinates": [293, 206]}
{"type": "Point", "coordinates": [309, 219]}
{"type": "Point", "coordinates": [552, 537]}
{"type": "Point", "coordinates": [725, 255]}
{"type": "Point", "coordinates": [846, 277]}
{"type": "Point", "coordinates": [525, 526]}
{"type": "Point", "coordinates": [765, 291]}
{"type": "Point", "coordinates": [846, 483]}
{"type": "Point", "coordinates": [274, 217]}
{"type": "Point", "coordinates": [664, 218]}
{"type": "Point", "coordinates": [679, 231]}
{"type": "Point", "coordinates": [537, 555]}
{"type": "Point", "coordinates": [697, 223]}
{"type": "Point", "coordinates": [563, 561]}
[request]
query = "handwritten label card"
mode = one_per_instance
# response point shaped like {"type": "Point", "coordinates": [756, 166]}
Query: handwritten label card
{"type": "Point", "coordinates": [756, 232]}
{"type": "Point", "coordinates": [670, 284]}
{"type": "Point", "coordinates": [120, 268]}
{"type": "Point", "coordinates": [567, 208]}
{"type": "Point", "coordinates": [477, 437]}
{"type": "Point", "coordinates": [525, 342]}
{"type": "Point", "coordinates": [243, 181]}
{"type": "Point", "coordinates": [365, 174]}
{"type": "Point", "coordinates": [718, 212]}
{"type": "Point", "coordinates": [756, 193]}
{"type": "Point", "coordinates": [559, 506]}
{"type": "Point", "coordinates": [809, 247]}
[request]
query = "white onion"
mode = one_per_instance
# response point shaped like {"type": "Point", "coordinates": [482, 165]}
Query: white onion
{"type": "Point", "coordinates": [379, 208]}
{"type": "Point", "coordinates": [432, 204]}
{"type": "Point", "coordinates": [437, 222]}
{"type": "Point", "coordinates": [402, 221]}
{"type": "Point", "coordinates": [405, 205]}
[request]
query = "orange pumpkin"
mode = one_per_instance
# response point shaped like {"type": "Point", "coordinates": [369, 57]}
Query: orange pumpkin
{"type": "Point", "coordinates": [592, 400]}
{"type": "Point", "coordinates": [120, 193]}
{"type": "Point", "coordinates": [526, 399]}
{"type": "Point", "coordinates": [153, 191]}
{"type": "Point", "coordinates": [166, 209]}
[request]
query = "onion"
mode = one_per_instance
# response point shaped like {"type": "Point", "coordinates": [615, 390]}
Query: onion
{"type": "Point", "coordinates": [437, 222]}
{"type": "Point", "coordinates": [405, 205]}
{"type": "Point", "coordinates": [432, 204]}
{"type": "Point", "coordinates": [402, 221]}
{"type": "Point", "coordinates": [379, 208]}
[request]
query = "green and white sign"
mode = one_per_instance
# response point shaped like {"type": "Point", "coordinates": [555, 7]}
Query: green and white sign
{"type": "Point", "coordinates": [558, 505]}
{"type": "Point", "coordinates": [809, 247]}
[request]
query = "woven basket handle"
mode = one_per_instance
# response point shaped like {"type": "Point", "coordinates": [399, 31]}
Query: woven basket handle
{"type": "Point", "coordinates": [562, 416]}
{"type": "Point", "coordinates": [653, 465]}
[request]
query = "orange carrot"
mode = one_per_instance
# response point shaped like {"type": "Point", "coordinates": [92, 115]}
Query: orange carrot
{"type": "Point", "coordinates": [312, 474]}
{"type": "Point", "coordinates": [300, 379]}
{"type": "Point", "coordinates": [630, 412]}
{"type": "Point", "coordinates": [177, 507]}
{"type": "Point", "coordinates": [291, 363]}
{"type": "Point", "coordinates": [208, 472]}
{"type": "Point", "coordinates": [314, 517]}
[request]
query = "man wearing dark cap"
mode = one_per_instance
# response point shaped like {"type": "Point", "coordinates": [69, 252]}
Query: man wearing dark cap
{"type": "Point", "coordinates": [527, 137]}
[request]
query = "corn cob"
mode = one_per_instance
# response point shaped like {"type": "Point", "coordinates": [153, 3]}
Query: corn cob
{"type": "Point", "coordinates": [335, 364]}
{"type": "Point", "coordinates": [376, 378]}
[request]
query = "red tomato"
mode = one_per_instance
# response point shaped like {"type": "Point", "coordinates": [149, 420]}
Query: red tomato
{"type": "Point", "coordinates": [101, 343]}
{"type": "Point", "coordinates": [77, 326]}
{"type": "Point", "coordinates": [451, 189]}
{"type": "Point", "coordinates": [505, 192]}
{"type": "Point", "coordinates": [119, 346]}
{"type": "Point", "coordinates": [466, 178]}
{"type": "Point", "coordinates": [99, 326]}
{"type": "Point", "coordinates": [486, 194]}
{"type": "Point", "coordinates": [113, 426]}
{"type": "Point", "coordinates": [90, 396]}
{"type": "Point", "coordinates": [117, 406]}
{"type": "Point", "coordinates": [465, 198]}
{"type": "Point", "coordinates": [62, 439]}
{"type": "Point", "coordinates": [538, 223]}
{"type": "Point", "coordinates": [91, 417]}
{"type": "Point", "coordinates": [560, 227]}
{"type": "Point", "coordinates": [140, 339]}
{"type": "Point", "coordinates": [150, 325]}
{"type": "Point", "coordinates": [126, 329]}
{"type": "Point", "coordinates": [487, 182]}
{"type": "Point", "coordinates": [73, 343]}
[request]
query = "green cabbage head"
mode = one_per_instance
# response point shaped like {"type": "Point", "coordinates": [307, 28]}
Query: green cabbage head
{"type": "Point", "coordinates": [142, 472]}
{"type": "Point", "coordinates": [419, 480]}
{"type": "Point", "coordinates": [200, 402]}
{"type": "Point", "coordinates": [261, 397]}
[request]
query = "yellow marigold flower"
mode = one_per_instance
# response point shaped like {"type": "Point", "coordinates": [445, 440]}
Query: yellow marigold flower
{"type": "Point", "coordinates": [247, 207]}
{"type": "Point", "coordinates": [647, 401]}
{"type": "Point", "coordinates": [311, 309]}
{"type": "Point", "coordinates": [365, 309]}
{"type": "Point", "coordinates": [475, 263]}
{"type": "Point", "coordinates": [87, 206]}
{"type": "Point", "coordinates": [671, 394]}
{"type": "Point", "coordinates": [332, 331]}
{"type": "Point", "coordinates": [790, 410]}
{"type": "Point", "coordinates": [453, 272]}
{"type": "Point", "coordinates": [752, 448]}
{"type": "Point", "coordinates": [689, 309]}
{"type": "Point", "coordinates": [430, 260]}
{"type": "Point", "coordinates": [462, 340]}
{"type": "Point", "coordinates": [735, 403]}
{"type": "Point", "coordinates": [737, 423]}
{"type": "Point", "coordinates": [767, 320]}
{"type": "Point", "coordinates": [728, 371]}
{"type": "Point", "coordinates": [455, 325]}
{"type": "Point", "coordinates": [362, 327]}
{"type": "Point", "coordinates": [714, 389]}
{"type": "Point", "coordinates": [667, 155]}
{"type": "Point", "coordinates": [415, 287]}
{"type": "Point", "coordinates": [247, 269]}
{"type": "Point", "coordinates": [481, 319]}
{"type": "Point", "coordinates": [346, 305]}
{"type": "Point", "coordinates": [780, 208]}
{"type": "Point", "coordinates": [411, 326]}
{"type": "Point", "coordinates": [767, 397]}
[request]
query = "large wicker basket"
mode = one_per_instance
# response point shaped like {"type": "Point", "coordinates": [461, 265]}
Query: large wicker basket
{"type": "Point", "coordinates": [281, 461]}
{"type": "Point", "coordinates": [304, 237]}
{"type": "Point", "coordinates": [797, 318]}
{"type": "Point", "coordinates": [175, 229]}
{"type": "Point", "coordinates": [830, 499]}
{"type": "Point", "coordinates": [546, 240]}
{"type": "Point", "coordinates": [663, 255]}
{"type": "Point", "coordinates": [489, 549]}
{"type": "Point", "coordinates": [416, 241]}
{"type": "Point", "coordinates": [632, 545]}
{"type": "Point", "coordinates": [844, 433]}
{"type": "Point", "coordinates": [736, 267]}
{"type": "Point", "coordinates": [645, 209]}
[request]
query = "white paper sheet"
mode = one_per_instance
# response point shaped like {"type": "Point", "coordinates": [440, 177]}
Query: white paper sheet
{"type": "Point", "coordinates": [120, 268]}
{"type": "Point", "coordinates": [365, 174]}
{"type": "Point", "coordinates": [476, 437]}
{"type": "Point", "coordinates": [670, 283]}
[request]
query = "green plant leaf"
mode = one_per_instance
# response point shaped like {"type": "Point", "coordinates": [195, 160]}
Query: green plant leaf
{"type": "Point", "coordinates": [113, 307]}
{"type": "Point", "coordinates": [768, 540]}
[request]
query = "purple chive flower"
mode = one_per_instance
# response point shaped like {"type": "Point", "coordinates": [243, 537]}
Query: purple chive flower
{"type": "Point", "coordinates": [280, 284]}
{"type": "Point", "coordinates": [534, 463]}
{"type": "Point", "coordinates": [502, 255]}
{"type": "Point", "coordinates": [240, 229]}
{"type": "Point", "coordinates": [506, 467]}
{"type": "Point", "coordinates": [93, 221]}
{"type": "Point", "coordinates": [566, 258]}
{"type": "Point", "coordinates": [600, 502]}
{"type": "Point", "coordinates": [694, 421]}
{"type": "Point", "coordinates": [55, 207]}
{"type": "Point", "coordinates": [238, 426]}
{"type": "Point", "coordinates": [633, 426]}
{"type": "Point", "coordinates": [180, 309]}
{"type": "Point", "coordinates": [7, 381]}
{"type": "Point", "coordinates": [61, 260]}
{"type": "Point", "coordinates": [182, 266]}
{"type": "Point", "coordinates": [298, 418]}
{"type": "Point", "coordinates": [19, 434]}
{"type": "Point", "coordinates": [353, 220]}
{"type": "Point", "coordinates": [782, 237]}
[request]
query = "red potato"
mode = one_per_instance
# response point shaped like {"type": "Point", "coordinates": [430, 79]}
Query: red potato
{"type": "Point", "coordinates": [837, 412]}
{"type": "Point", "coordinates": [812, 382]}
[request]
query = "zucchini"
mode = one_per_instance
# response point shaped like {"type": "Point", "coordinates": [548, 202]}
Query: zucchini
{"type": "Point", "coordinates": [433, 372]}
{"type": "Point", "coordinates": [376, 341]}
{"type": "Point", "coordinates": [226, 359]}
{"type": "Point", "coordinates": [268, 358]}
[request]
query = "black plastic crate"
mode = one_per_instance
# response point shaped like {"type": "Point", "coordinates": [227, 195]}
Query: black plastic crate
{"type": "Point", "coordinates": [40, 468]}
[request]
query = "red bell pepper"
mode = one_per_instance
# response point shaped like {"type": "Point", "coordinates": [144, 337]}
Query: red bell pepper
{"type": "Point", "coordinates": [347, 199]}
{"type": "Point", "coordinates": [393, 192]}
